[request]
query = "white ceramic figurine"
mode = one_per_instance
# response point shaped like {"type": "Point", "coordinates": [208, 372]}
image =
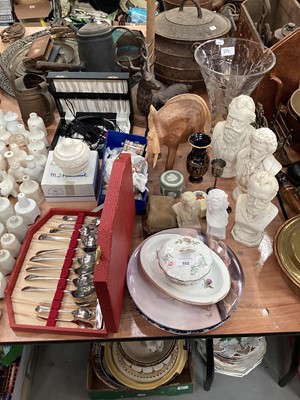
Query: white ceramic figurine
{"type": "Point", "coordinates": [216, 213]}
{"type": "Point", "coordinates": [232, 135]}
{"type": "Point", "coordinates": [187, 211]}
{"type": "Point", "coordinates": [257, 157]}
{"type": "Point", "coordinates": [254, 210]}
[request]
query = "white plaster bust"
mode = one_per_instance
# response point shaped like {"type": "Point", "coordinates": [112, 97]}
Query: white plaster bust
{"type": "Point", "coordinates": [216, 213]}
{"type": "Point", "coordinates": [187, 211]}
{"type": "Point", "coordinates": [257, 157]}
{"type": "Point", "coordinates": [254, 210]}
{"type": "Point", "coordinates": [232, 135]}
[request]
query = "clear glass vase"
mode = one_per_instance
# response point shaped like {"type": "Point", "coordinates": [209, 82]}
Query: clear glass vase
{"type": "Point", "coordinates": [231, 67]}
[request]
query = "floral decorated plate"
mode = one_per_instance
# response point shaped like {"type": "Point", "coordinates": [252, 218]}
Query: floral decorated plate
{"type": "Point", "coordinates": [185, 260]}
{"type": "Point", "coordinates": [209, 290]}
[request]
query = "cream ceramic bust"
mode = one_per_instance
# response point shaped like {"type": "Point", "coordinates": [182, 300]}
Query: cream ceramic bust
{"type": "Point", "coordinates": [254, 210]}
{"type": "Point", "coordinates": [258, 156]}
{"type": "Point", "coordinates": [187, 211]}
{"type": "Point", "coordinates": [216, 213]}
{"type": "Point", "coordinates": [232, 135]}
{"type": "Point", "coordinates": [71, 156]}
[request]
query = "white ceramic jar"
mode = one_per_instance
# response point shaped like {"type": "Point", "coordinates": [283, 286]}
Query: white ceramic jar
{"type": "Point", "coordinates": [71, 156]}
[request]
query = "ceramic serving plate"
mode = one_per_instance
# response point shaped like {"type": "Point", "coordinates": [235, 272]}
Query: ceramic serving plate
{"type": "Point", "coordinates": [101, 370]}
{"type": "Point", "coordinates": [287, 249]}
{"type": "Point", "coordinates": [140, 380]}
{"type": "Point", "coordinates": [146, 353]}
{"type": "Point", "coordinates": [213, 288]}
{"type": "Point", "coordinates": [175, 316]}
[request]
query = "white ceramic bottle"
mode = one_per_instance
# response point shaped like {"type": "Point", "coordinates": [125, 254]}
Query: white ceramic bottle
{"type": "Point", "coordinates": [37, 121]}
{"type": "Point", "coordinates": [2, 120]}
{"type": "Point", "coordinates": [27, 208]}
{"type": "Point", "coordinates": [3, 147]}
{"type": "Point", "coordinates": [39, 145]}
{"type": "Point", "coordinates": [15, 169]}
{"type": "Point", "coordinates": [32, 189]}
{"type": "Point", "coordinates": [6, 210]}
{"type": "Point", "coordinates": [10, 242]}
{"type": "Point", "coordinates": [19, 154]}
{"type": "Point", "coordinates": [2, 229]}
{"type": "Point", "coordinates": [17, 226]}
{"type": "Point", "coordinates": [7, 262]}
{"type": "Point", "coordinates": [39, 158]}
{"type": "Point", "coordinates": [38, 134]}
{"type": "Point", "coordinates": [33, 170]}
{"type": "Point", "coordinates": [12, 122]}
{"type": "Point", "coordinates": [4, 135]}
{"type": "Point", "coordinates": [3, 284]}
{"type": "Point", "coordinates": [21, 129]}
{"type": "Point", "coordinates": [8, 185]}
{"type": "Point", "coordinates": [2, 162]}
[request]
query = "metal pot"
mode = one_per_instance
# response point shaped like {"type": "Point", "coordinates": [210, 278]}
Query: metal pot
{"type": "Point", "coordinates": [177, 33]}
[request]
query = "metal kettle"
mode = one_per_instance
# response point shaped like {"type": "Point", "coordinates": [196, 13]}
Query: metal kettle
{"type": "Point", "coordinates": [96, 48]}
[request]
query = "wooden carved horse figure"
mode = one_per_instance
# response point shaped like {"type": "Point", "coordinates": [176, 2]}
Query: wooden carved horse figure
{"type": "Point", "coordinates": [181, 116]}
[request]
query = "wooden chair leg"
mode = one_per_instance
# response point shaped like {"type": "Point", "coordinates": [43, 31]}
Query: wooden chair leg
{"type": "Point", "coordinates": [210, 364]}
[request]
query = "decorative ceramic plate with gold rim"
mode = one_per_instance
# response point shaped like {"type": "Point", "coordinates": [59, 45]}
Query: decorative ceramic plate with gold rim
{"type": "Point", "coordinates": [138, 380]}
{"type": "Point", "coordinates": [145, 353]}
{"type": "Point", "coordinates": [213, 288]}
{"type": "Point", "coordinates": [287, 248]}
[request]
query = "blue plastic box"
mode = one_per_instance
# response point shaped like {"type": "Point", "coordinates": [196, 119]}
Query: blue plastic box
{"type": "Point", "coordinates": [117, 139]}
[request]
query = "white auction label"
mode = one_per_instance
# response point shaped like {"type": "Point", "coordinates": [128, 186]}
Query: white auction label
{"type": "Point", "coordinates": [219, 42]}
{"type": "Point", "coordinates": [185, 262]}
{"type": "Point", "coordinates": [227, 51]}
{"type": "Point", "coordinates": [213, 28]}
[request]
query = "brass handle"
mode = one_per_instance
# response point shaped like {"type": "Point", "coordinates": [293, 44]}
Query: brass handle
{"type": "Point", "coordinates": [199, 10]}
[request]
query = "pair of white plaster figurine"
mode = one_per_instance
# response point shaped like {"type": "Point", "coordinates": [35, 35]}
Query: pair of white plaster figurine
{"type": "Point", "coordinates": [187, 212]}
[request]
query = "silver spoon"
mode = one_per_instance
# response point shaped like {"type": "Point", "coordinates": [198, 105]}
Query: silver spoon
{"type": "Point", "coordinates": [84, 230]}
{"type": "Point", "coordinates": [89, 243]}
{"type": "Point", "coordinates": [82, 292]}
{"type": "Point", "coordinates": [92, 303]}
{"type": "Point", "coordinates": [80, 312]}
{"type": "Point", "coordinates": [82, 270]}
{"type": "Point", "coordinates": [86, 259]}
{"type": "Point", "coordinates": [95, 221]}
{"type": "Point", "coordinates": [83, 280]}
{"type": "Point", "coordinates": [82, 323]}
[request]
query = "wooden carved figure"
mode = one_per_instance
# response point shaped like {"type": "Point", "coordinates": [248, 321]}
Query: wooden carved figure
{"type": "Point", "coordinates": [181, 116]}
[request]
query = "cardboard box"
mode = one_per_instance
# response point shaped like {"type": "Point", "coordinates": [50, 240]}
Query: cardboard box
{"type": "Point", "coordinates": [61, 187]}
{"type": "Point", "coordinates": [116, 139]}
{"type": "Point", "coordinates": [33, 10]}
{"type": "Point", "coordinates": [181, 384]}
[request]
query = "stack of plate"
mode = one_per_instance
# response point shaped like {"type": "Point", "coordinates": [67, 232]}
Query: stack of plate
{"type": "Point", "coordinates": [287, 252]}
{"type": "Point", "coordinates": [177, 308]}
{"type": "Point", "coordinates": [235, 356]}
{"type": "Point", "coordinates": [142, 365]}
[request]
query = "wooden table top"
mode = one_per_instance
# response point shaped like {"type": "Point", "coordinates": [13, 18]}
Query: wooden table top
{"type": "Point", "coordinates": [267, 306]}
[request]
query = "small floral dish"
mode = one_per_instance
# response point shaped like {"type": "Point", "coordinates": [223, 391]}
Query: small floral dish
{"type": "Point", "coordinates": [185, 260]}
